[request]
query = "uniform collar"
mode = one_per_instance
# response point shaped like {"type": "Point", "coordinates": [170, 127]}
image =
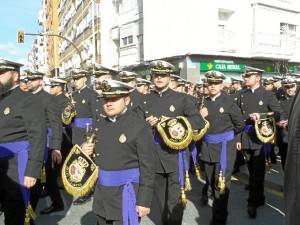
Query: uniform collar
{"type": "Point", "coordinates": [114, 119]}
{"type": "Point", "coordinates": [215, 97]}
{"type": "Point", "coordinates": [160, 93]}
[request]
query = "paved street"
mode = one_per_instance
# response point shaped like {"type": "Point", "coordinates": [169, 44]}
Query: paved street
{"type": "Point", "coordinates": [270, 214]}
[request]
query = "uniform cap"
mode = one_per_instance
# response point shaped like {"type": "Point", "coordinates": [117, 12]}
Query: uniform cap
{"type": "Point", "coordinates": [161, 67]}
{"type": "Point", "coordinates": [23, 78]}
{"type": "Point", "coordinates": [57, 82]}
{"type": "Point", "coordinates": [236, 80]}
{"type": "Point", "coordinates": [98, 70]}
{"type": "Point", "coordinates": [214, 77]}
{"type": "Point", "coordinates": [126, 76]}
{"type": "Point", "coordinates": [114, 88]}
{"type": "Point", "coordinates": [141, 81]}
{"type": "Point", "coordinates": [248, 71]}
{"type": "Point", "coordinates": [289, 82]}
{"type": "Point", "coordinates": [7, 65]}
{"type": "Point", "coordinates": [32, 74]}
{"type": "Point", "coordinates": [78, 73]}
{"type": "Point", "coordinates": [175, 77]}
{"type": "Point", "coordinates": [267, 81]}
{"type": "Point", "coordinates": [277, 78]}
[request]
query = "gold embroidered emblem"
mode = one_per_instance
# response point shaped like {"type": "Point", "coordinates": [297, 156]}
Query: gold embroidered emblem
{"type": "Point", "coordinates": [83, 101]}
{"type": "Point", "coordinates": [221, 110]}
{"type": "Point", "coordinates": [172, 108]}
{"type": "Point", "coordinates": [260, 103]}
{"type": "Point", "coordinates": [122, 138]}
{"type": "Point", "coordinates": [6, 111]}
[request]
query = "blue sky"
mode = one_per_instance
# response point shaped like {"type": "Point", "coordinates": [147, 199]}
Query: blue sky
{"type": "Point", "coordinates": [14, 15]}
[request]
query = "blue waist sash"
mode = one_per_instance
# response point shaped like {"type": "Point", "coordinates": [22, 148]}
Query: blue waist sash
{"type": "Point", "coordinates": [221, 138]}
{"type": "Point", "coordinates": [123, 178]}
{"type": "Point", "coordinates": [183, 164]}
{"type": "Point", "coordinates": [49, 134]}
{"type": "Point", "coordinates": [266, 146]}
{"type": "Point", "coordinates": [20, 149]}
{"type": "Point", "coordinates": [81, 122]}
{"type": "Point", "coordinates": [249, 129]}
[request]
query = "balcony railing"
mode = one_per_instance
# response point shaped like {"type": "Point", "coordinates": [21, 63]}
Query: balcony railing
{"type": "Point", "coordinates": [270, 43]}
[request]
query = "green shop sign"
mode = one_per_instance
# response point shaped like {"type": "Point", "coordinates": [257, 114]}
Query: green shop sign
{"type": "Point", "coordinates": [225, 67]}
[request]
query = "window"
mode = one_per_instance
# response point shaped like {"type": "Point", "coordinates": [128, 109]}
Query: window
{"type": "Point", "coordinates": [127, 40]}
{"type": "Point", "coordinates": [288, 29]}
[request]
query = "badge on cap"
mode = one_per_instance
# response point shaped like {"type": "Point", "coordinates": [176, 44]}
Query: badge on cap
{"type": "Point", "coordinates": [172, 108]}
{"type": "Point", "coordinates": [260, 103]}
{"type": "Point", "coordinates": [6, 111]}
{"type": "Point", "coordinates": [221, 110]}
{"type": "Point", "coordinates": [83, 101]}
{"type": "Point", "coordinates": [122, 138]}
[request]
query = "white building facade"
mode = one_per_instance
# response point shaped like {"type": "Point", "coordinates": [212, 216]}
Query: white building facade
{"type": "Point", "coordinates": [200, 35]}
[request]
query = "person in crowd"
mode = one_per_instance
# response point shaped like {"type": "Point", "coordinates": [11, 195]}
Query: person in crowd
{"type": "Point", "coordinates": [126, 165]}
{"type": "Point", "coordinates": [163, 101]}
{"type": "Point", "coordinates": [53, 151]}
{"type": "Point", "coordinates": [256, 103]}
{"type": "Point", "coordinates": [218, 147]}
{"type": "Point", "coordinates": [22, 144]}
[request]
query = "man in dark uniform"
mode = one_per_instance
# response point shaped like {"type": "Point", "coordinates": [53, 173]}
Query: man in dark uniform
{"type": "Point", "coordinates": [84, 98]}
{"type": "Point", "coordinates": [126, 164]}
{"type": "Point", "coordinates": [165, 102]}
{"type": "Point", "coordinates": [292, 168]}
{"type": "Point", "coordinates": [22, 144]}
{"type": "Point", "coordinates": [54, 131]}
{"type": "Point", "coordinates": [278, 89]}
{"type": "Point", "coordinates": [238, 89]}
{"type": "Point", "coordinates": [268, 84]}
{"type": "Point", "coordinates": [135, 96]}
{"type": "Point", "coordinates": [255, 103]}
{"type": "Point", "coordinates": [142, 85]}
{"type": "Point", "coordinates": [289, 86]}
{"type": "Point", "coordinates": [218, 148]}
{"type": "Point", "coordinates": [100, 73]}
{"type": "Point", "coordinates": [57, 87]}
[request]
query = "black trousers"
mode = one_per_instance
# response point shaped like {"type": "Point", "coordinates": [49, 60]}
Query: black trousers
{"type": "Point", "coordinates": [220, 203]}
{"type": "Point", "coordinates": [168, 192]}
{"type": "Point", "coordinates": [283, 147]}
{"type": "Point", "coordinates": [51, 185]}
{"type": "Point", "coordinates": [12, 204]}
{"type": "Point", "coordinates": [257, 168]}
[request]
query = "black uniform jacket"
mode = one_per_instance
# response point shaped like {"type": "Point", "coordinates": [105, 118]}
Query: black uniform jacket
{"type": "Point", "coordinates": [53, 118]}
{"type": "Point", "coordinates": [124, 144]}
{"type": "Point", "coordinates": [97, 107]}
{"type": "Point", "coordinates": [22, 118]}
{"type": "Point", "coordinates": [292, 168]}
{"type": "Point", "coordinates": [62, 101]}
{"type": "Point", "coordinates": [223, 116]}
{"type": "Point", "coordinates": [259, 101]}
{"type": "Point", "coordinates": [85, 103]}
{"type": "Point", "coordinates": [135, 99]}
{"type": "Point", "coordinates": [170, 104]}
{"type": "Point", "coordinates": [282, 133]}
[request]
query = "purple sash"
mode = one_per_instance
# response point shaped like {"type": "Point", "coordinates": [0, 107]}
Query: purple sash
{"type": "Point", "coordinates": [49, 134]}
{"type": "Point", "coordinates": [81, 122]}
{"type": "Point", "coordinates": [182, 159]}
{"type": "Point", "coordinates": [221, 138]}
{"type": "Point", "coordinates": [19, 149]}
{"type": "Point", "coordinates": [266, 147]}
{"type": "Point", "coordinates": [194, 152]}
{"type": "Point", "coordinates": [123, 178]}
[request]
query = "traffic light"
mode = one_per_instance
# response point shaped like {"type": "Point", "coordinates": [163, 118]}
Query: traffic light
{"type": "Point", "coordinates": [21, 36]}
